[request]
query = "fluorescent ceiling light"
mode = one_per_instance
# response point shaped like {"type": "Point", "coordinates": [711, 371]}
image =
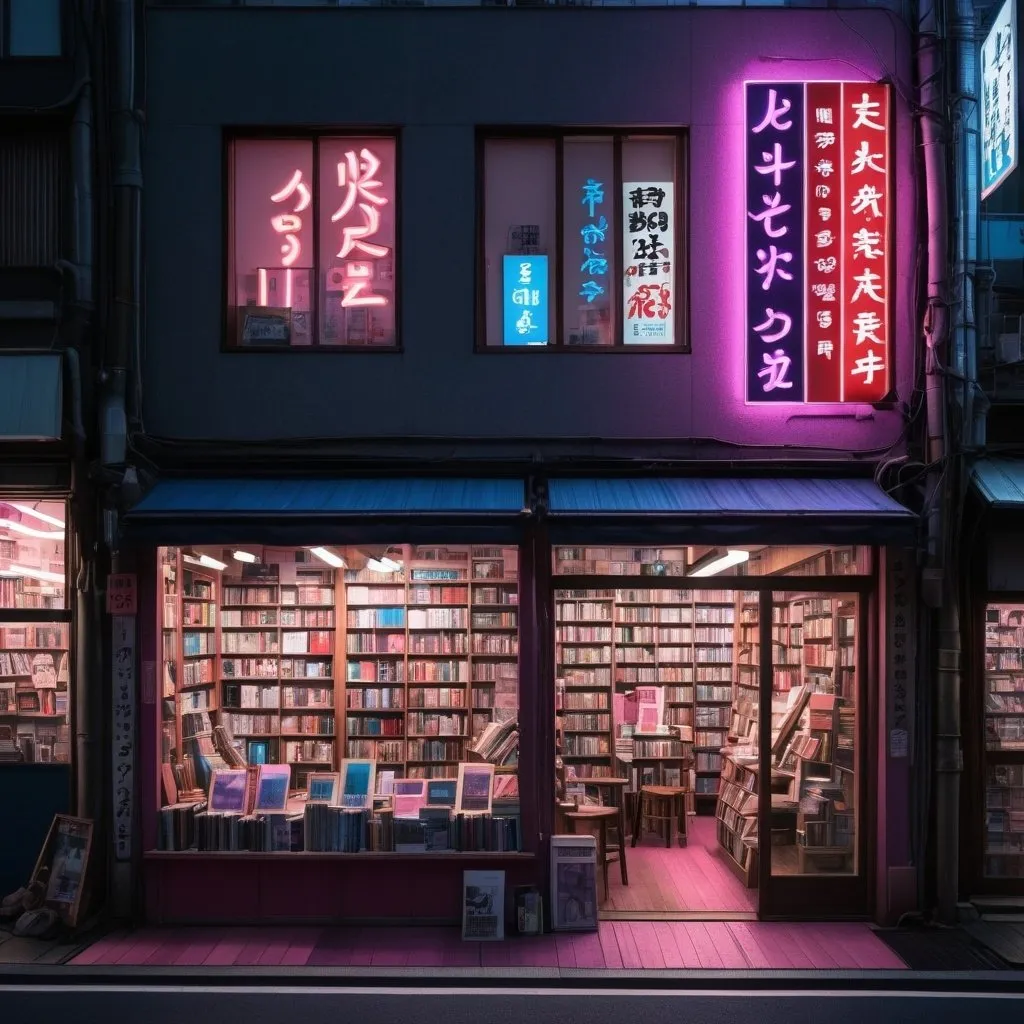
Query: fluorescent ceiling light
{"type": "Point", "coordinates": [205, 560]}
{"type": "Point", "coordinates": [28, 510]}
{"type": "Point", "coordinates": [243, 556]}
{"type": "Point", "coordinates": [36, 574]}
{"type": "Point", "coordinates": [29, 531]}
{"type": "Point", "coordinates": [726, 561]}
{"type": "Point", "coordinates": [328, 556]}
{"type": "Point", "coordinates": [390, 565]}
{"type": "Point", "coordinates": [377, 565]}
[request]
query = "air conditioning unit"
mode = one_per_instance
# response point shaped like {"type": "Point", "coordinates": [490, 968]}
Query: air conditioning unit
{"type": "Point", "coordinates": [1005, 332]}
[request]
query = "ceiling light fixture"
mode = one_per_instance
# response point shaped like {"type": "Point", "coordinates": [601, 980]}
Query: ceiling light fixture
{"type": "Point", "coordinates": [328, 556]}
{"type": "Point", "coordinates": [243, 556]}
{"type": "Point", "coordinates": [205, 560]}
{"type": "Point", "coordinates": [723, 562]}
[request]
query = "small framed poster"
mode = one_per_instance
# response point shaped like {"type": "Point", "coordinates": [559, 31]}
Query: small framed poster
{"type": "Point", "coordinates": [272, 788]}
{"type": "Point", "coordinates": [357, 783]}
{"type": "Point", "coordinates": [473, 789]}
{"type": "Point", "coordinates": [483, 905]}
{"type": "Point", "coordinates": [442, 792]}
{"type": "Point", "coordinates": [323, 788]}
{"type": "Point", "coordinates": [227, 791]}
{"type": "Point", "coordinates": [63, 864]}
{"type": "Point", "coordinates": [408, 796]}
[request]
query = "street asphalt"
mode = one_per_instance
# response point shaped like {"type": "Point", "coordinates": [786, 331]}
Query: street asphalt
{"type": "Point", "coordinates": [518, 1003]}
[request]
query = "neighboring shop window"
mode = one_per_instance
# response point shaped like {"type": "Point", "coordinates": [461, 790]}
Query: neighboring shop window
{"type": "Point", "coordinates": [313, 243]}
{"type": "Point", "coordinates": [34, 633]}
{"type": "Point", "coordinates": [615, 276]}
{"type": "Point", "coordinates": [339, 699]}
{"type": "Point", "coordinates": [1004, 740]}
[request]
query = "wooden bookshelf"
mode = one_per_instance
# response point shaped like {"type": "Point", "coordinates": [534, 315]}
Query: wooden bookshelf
{"type": "Point", "coordinates": [34, 692]}
{"type": "Point", "coordinates": [813, 727]}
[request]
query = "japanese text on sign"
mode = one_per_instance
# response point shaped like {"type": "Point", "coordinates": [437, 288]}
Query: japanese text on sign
{"type": "Point", "coordinates": [648, 256]}
{"type": "Point", "coordinates": [525, 295]}
{"type": "Point", "coordinates": [818, 217]}
{"type": "Point", "coordinates": [594, 294]}
{"type": "Point", "coordinates": [900, 658]}
{"type": "Point", "coordinates": [999, 100]}
{"type": "Point", "coordinates": [122, 594]}
{"type": "Point", "coordinates": [123, 733]}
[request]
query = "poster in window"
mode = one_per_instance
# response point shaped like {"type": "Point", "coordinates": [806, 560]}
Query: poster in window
{"type": "Point", "coordinates": [483, 905]}
{"type": "Point", "coordinates": [648, 259]}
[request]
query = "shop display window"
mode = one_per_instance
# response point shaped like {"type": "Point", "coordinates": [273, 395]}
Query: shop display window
{"type": "Point", "coordinates": [339, 699]}
{"type": "Point", "coordinates": [34, 634]}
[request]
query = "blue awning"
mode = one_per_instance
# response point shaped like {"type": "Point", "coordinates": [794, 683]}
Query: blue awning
{"type": "Point", "coordinates": [709, 510]}
{"type": "Point", "coordinates": [1000, 482]}
{"type": "Point", "coordinates": [308, 511]}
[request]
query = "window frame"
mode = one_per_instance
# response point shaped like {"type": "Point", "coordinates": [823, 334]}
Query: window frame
{"type": "Point", "coordinates": [558, 134]}
{"type": "Point", "coordinates": [65, 15]}
{"type": "Point", "coordinates": [313, 135]}
{"type": "Point", "coordinates": [49, 617]}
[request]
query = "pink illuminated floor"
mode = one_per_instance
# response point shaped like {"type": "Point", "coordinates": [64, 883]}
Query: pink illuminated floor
{"type": "Point", "coordinates": [694, 878]}
{"type": "Point", "coordinates": [736, 945]}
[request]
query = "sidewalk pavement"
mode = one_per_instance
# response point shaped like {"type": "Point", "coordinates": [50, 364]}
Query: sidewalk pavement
{"type": "Point", "coordinates": [618, 947]}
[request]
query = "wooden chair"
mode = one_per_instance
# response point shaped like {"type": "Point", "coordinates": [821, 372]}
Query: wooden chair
{"type": "Point", "coordinates": [662, 810]}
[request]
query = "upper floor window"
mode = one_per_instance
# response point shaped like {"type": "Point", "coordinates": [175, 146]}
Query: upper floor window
{"type": "Point", "coordinates": [32, 28]}
{"type": "Point", "coordinates": [312, 261]}
{"type": "Point", "coordinates": [582, 241]}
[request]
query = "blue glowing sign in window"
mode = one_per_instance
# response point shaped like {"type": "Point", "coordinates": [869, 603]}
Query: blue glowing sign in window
{"type": "Point", "coordinates": [525, 300]}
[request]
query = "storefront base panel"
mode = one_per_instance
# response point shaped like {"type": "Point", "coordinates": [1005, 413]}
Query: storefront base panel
{"type": "Point", "coordinates": [250, 888]}
{"type": "Point", "coordinates": [30, 795]}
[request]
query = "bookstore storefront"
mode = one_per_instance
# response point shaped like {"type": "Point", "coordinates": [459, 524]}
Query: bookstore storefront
{"type": "Point", "coordinates": [340, 725]}
{"type": "Point", "coordinates": [992, 822]}
{"type": "Point", "coordinates": [451, 672]}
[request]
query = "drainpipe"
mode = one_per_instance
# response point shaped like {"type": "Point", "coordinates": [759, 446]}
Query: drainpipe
{"type": "Point", "coordinates": [120, 403]}
{"type": "Point", "coordinates": [78, 271]}
{"type": "Point", "coordinates": [127, 188]}
{"type": "Point", "coordinates": [938, 589]}
{"type": "Point", "coordinates": [963, 39]}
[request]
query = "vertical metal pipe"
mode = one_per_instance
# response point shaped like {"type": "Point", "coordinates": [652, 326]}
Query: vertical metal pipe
{"type": "Point", "coordinates": [940, 587]}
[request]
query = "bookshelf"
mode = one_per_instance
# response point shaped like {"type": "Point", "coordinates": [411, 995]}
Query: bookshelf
{"type": "Point", "coordinates": [813, 731]}
{"type": "Point", "coordinates": [34, 677]}
{"type": "Point", "coordinates": [665, 647]}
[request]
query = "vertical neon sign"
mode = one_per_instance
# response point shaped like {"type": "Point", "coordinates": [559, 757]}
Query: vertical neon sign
{"type": "Point", "coordinates": [818, 224]}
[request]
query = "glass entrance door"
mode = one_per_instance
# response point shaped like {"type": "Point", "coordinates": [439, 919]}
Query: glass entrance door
{"type": "Point", "coordinates": [812, 808]}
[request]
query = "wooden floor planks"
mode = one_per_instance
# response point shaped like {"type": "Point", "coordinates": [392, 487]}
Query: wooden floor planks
{"type": "Point", "coordinates": [693, 879]}
{"type": "Point", "coordinates": [690, 879]}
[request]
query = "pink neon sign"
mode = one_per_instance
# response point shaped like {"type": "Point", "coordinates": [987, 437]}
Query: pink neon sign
{"type": "Point", "coordinates": [314, 237]}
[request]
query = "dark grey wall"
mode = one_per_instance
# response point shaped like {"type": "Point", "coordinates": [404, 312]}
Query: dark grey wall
{"type": "Point", "coordinates": [439, 73]}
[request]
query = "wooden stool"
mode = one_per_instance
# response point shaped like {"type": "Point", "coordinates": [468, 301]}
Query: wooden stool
{"type": "Point", "coordinates": [663, 810]}
{"type": "Point", "coordinates": [612, 795]}
{"type": "Point", "coordinates": [601, 816]}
